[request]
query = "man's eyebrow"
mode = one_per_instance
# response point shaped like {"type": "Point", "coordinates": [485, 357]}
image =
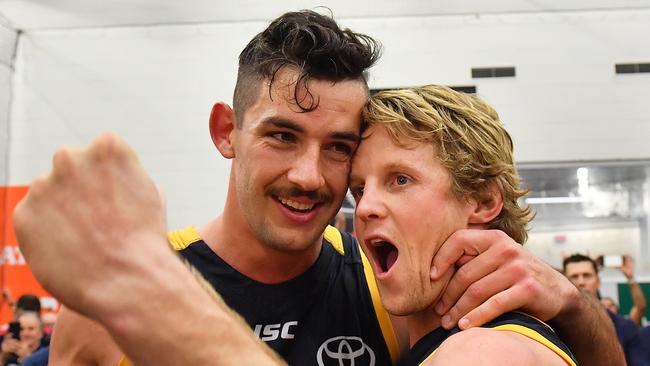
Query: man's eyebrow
{"type": "Point", "coordinates": [350, 136]}
{"type": "Point", "coordinates": [283, 123]}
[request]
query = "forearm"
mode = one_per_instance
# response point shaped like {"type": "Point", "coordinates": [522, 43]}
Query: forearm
{"type": "Point", "coordinates": [638, 298]}
{"type": "Point", "coordinates": [589, 332]}
{"type": "Point", "coordinates": [174, 321]}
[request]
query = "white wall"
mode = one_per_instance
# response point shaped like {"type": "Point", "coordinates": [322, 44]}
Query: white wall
{"type": "Point", "coordinates": [155, 86]}
{"type": "Point", "coordinates": [566, 102]}
{"type": "Point", "coordinates": [553, 245]}
{"type": "Point", "coordinates": [7, 46]}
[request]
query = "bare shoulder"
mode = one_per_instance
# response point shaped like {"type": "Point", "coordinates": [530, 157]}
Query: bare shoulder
{"type": "Point", "coordinates": [79, 341]}
{"type": "Point", "coordinates": [487, 346]}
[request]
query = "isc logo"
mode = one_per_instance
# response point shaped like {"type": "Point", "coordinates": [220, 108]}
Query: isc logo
{"type": "Point", "coordinates": [271, 332]}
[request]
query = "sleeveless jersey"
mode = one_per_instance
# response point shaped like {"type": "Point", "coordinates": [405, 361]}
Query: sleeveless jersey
{"type": "Point", "coordinates": [331, 315]}
{"type": "Point", "coordinates": [517, 322]}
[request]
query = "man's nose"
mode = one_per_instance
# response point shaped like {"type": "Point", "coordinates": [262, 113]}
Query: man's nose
{"type": "Point", "coordinates": [306, 171]}
{"type": "Point", "coordinates": [371, 205]}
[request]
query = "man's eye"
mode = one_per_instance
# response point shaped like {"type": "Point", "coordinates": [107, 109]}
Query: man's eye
{"type": "Point", "coordinates": [342, 148]}
{"type": "Point", "coordinates": [401, 180]}
{"type": "Point", "coordinates": [357, 192]}
{"type": "Point", "coordinates": [284, 136]}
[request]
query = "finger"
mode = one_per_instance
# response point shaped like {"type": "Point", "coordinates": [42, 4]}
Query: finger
{"type": "Point", "coordinates": [473, 271]}
{"type": "Point", "coordinates": [475, 295]}
{"type": "Point", "coordinates": [502, 302]}
{"type": "Point", "coordinates": [63, 162]}
{"type": "Point", "coordinates": [24, 210]}
{"type": "Point", "coordinates": [464, 242]}
{"type": "Point", "coordinates": [108, 145]}
{"type": "Point", "coordinates": [163, 200]}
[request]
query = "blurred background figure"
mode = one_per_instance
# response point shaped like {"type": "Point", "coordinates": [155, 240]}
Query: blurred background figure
{"type": "Point", "coordinates": [610, 304]}
{"type": "Point", "coordinates": [30, 338]}
{"type": "Point", "coordinates": [26, 302]}
{"type": "Point", "coordinates": [48, 319]}
{"type": "Point", "coordinates": [340, 221]}
{"type": "Point", "coordinates": [639, 303]}
{"type": "Point", "coordinates": [582, 271]}
{"type": "Point", "coordinates": [644, 333]}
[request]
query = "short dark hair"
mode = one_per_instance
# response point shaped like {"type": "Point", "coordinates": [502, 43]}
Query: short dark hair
{"type": "Point", "coordinates": [576, 258]}
{"type": "Point", "coordinates": [312, 43]}
{"type": "Point", "coordinates": [29, 302]}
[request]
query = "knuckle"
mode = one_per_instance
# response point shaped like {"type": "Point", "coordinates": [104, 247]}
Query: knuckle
{"type": "Point", "coordinates": [498, 301]}
{"type": "Point", "coordinates": [475, 292]}
{"type": "Point", "coordinates": [19, 216]}
{"type": "Point", "coordinates": [495, 236]}
{"type": "Point", "coordinates": [510, 251]}
{"type": "Point", "coordinates": [61, 157]}
{"type": "Point", "coordinates": [464, 276]}
{"type": "Point", "coordinates": [104, 145]}
{"type": "Point", "coordinates": [518, 269]}
{"type": "Point", "coordinates": [454, 313]}
{"type": "Point", "coordinates": [530, 287]}
{"type": "Point", "coordinates": [459, 237]}
{"type": "Point", "coordinates": [38, 189]}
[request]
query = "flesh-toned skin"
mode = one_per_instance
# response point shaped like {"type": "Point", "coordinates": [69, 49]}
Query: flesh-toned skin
{"type": "Point", "coordinates": [288, 177]}
{"type": "Point", "coordinates": [133, 245]}
{"type": "Point", "coordinates": [406, 210]}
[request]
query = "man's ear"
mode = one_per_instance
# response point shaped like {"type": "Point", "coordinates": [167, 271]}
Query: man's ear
{"type": "Point", "coordinates": [222, 124]}
{"type": "Point", "coordinates": [489, 208]}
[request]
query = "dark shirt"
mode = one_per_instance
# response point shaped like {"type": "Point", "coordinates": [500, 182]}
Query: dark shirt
{"type": "Point", "coordinates": [13, 360]}
{"type": "Point", "coordinates": [325, 316]}
{"type": "Point", "coordinates": [38, 358]}
{"type": "Point", "coordinates": [512, 321]}
{"type": "Point", "coordinates": [628, 336]}
{"type": "Point", "coordinates": [644, 333]}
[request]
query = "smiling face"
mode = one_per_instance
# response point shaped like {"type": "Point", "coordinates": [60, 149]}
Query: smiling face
{"type": "Point", "coordinates": [31, 330]}
{"type": "Point", "coordinates": [290, 167]}
{"type": "Point", "coordinates": [405, 211]}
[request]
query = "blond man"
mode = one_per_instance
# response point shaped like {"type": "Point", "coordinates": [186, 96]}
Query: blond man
{"type": "Point", "coordinates": [434, 161]}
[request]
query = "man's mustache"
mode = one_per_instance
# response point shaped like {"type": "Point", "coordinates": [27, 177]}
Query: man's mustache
{"type": "Point", "coordinates": [295, 192]}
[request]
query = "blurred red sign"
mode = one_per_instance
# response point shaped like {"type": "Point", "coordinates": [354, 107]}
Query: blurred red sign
{"type": "Point", "coordinates": [16, 275]}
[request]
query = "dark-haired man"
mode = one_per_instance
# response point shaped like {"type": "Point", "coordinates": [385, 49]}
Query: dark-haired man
{"type": "Point", "coordinates": [303, 288]}
{"type": "Point", "coordinates": [582, 271]}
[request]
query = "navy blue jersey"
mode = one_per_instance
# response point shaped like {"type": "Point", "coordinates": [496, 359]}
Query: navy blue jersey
{"type": "Point", "coordinates": [329, 315]}
{"type": "Point", "coordinates": [514, 322]}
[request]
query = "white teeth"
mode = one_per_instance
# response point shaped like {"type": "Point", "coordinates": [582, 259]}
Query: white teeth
{"type": "Point", "coordinates": [296, 205]}
{"type": "Point", "coordinates": [378, 242]}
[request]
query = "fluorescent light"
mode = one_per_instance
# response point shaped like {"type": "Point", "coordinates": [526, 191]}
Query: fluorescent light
{"type": "Point", "coordinates": [544, 200]}
{"type": "Point", "coordinates": [582, 173]}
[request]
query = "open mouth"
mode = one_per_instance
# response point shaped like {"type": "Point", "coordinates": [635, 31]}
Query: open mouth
{"type": "Point", "coordinates": [384, 253]}
{"type": "Point", "coordinates": [296, 206]}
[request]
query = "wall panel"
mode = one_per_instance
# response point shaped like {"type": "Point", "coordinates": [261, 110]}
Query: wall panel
{"type": "Point", "coordinates": [155, 87]}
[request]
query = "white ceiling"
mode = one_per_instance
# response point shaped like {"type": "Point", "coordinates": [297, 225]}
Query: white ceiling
{"type": "Point", "coordinates": [31, 15]}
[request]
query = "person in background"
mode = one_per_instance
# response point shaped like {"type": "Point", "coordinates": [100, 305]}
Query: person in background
{"type": "Point", "coordinates": [31, 338]}
{"type": "Point", "coordinates": [49, 320]}
{"type": "Point", "coordinates": [639, 303]}
{"type": "Point", "coordinates": [340, 222]}
{"type": "Point", "coordinates": [644, 333]}
{"type": "Point", "coordinates": [38, 358]}
{"type": "Point", "coordinates": [582, 271]}
{"type": "Point", "coordinates": [26, 302]}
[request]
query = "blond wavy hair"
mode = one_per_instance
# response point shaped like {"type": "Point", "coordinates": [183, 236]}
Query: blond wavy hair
{"type": "Point", "coordinates": [471, 142]}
